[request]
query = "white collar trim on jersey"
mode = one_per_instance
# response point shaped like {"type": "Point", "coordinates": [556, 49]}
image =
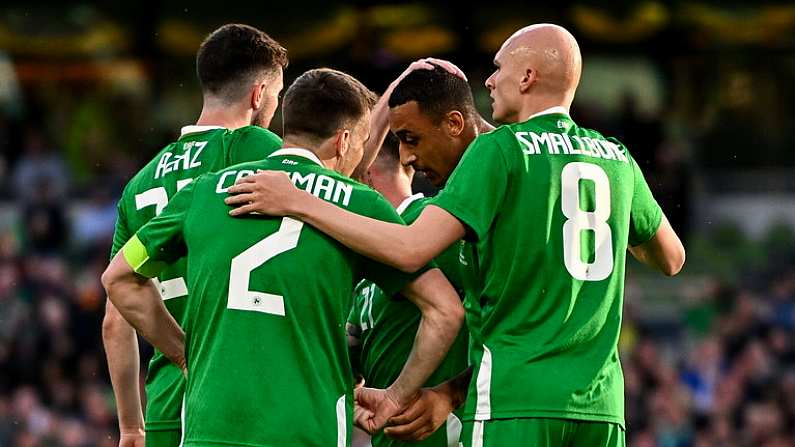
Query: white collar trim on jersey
{"type": "Point", "coordinates": [298, 152]}
{"type": "Point", "coordinates": [408, 201]}
{"type": "Point", "coordinates": [551, 110]}
{"type": "Point", "coordinates": [195, 129]}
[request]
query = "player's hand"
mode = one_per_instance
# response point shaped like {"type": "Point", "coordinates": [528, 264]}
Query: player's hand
{"type": "Point", "coordinates": [266, 192]}
{"type": "Point", "coordinates": [374, 408]}
{"type": "Point", "coordinates": [428, 63]}
{"type": "Point", "coordinates": [132, 437]}
{"type": "Point", "coordinates": [447, 65]}
{"type": "Point", "coordinates": [422, 418]}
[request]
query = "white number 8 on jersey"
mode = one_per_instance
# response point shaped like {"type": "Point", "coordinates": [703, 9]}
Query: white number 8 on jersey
{"type": "Point", "coordinates": [579, 220]}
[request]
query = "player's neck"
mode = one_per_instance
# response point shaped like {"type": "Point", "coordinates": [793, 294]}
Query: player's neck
{"type": "Point", "coordinates": [539, 104]}
{"type": "Point", "coordinates": [393, 189]}
{"type": "Point", "coordinates": [229, 117]}
{"type": "Point", "coordinates": [482, 126]}
{"type": "Point", "coordinates": [322, 151]}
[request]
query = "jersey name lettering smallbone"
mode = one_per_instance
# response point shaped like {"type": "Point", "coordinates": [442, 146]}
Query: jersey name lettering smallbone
{"type": "Point", "coordinates": [552, 143]}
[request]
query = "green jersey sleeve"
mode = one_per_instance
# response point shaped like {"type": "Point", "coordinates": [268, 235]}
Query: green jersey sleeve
{"type": "Point", "coordinates": [161, 241]}
{"type": "Point", "coordinates": [252, 143]}
{"type": "Point", "coordinates": [645, 214]}
{"type": "Point", "coordinates": [122, 232]}
{"type": "Point", "coordinates": [389, 279]}
{"type": "Point", "coordinates": [475, 191]}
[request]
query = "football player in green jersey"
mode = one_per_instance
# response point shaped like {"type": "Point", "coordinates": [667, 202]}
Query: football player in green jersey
{"type": "Point", "coordinates": [265, 321]}
{"type": "Point", "coordinates": [240, 70]}
{"type": "Point", "coordinates": [381, 328]}
{"type": "Point", "coordinates": [552, 209]}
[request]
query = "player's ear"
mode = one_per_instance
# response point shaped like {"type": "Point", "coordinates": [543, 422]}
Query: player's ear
{"type": "Point", "coordinates": [528, 79]}
{"type": "Point", "coordinates": [342, 142]}
{"type": "Point", "coordinates": [257, 95]}
{"type": "Point", "coordinates": [454, 121]}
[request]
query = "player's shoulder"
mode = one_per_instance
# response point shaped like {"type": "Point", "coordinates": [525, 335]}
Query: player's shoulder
{"type": "Point", "coordinates": [499, 134]}
{"type": "Point", "coordinates": [412, 207]}
{"type": "Point", "coordinates": [358, 197]}
{"type": "Point", "coordinates": [255, 133]}
{"type": "Point", "coordinates": [246, 167]}
{"type": "Point", "coordinates": [611, 143]}
{"type": "Point", "coordinates": [502, 137]}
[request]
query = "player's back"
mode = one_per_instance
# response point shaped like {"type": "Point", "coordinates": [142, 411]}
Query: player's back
{"type": "Point", "coordinates": [200, 149]}
{"type": "Point", "coordinates": [566, 203]}
{"type": "Point", "coordinates": [266, 346]}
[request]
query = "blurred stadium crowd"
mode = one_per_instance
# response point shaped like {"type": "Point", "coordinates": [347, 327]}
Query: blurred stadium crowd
{"type": "Point", "coordinates": [708, 361]}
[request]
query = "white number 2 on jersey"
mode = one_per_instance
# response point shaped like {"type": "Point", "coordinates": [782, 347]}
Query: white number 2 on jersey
{"type": "Point", "coordinates": [240, 296]}
{"type": "Point", "coordinates": [578, 221]}
{"type": "Point", "coordinates": [157, 197]}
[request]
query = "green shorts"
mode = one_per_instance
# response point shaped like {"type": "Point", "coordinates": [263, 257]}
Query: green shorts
{"type": "Point", "coordinates": [542, 432]}
{"type": "Point", "coordinates": [163, 438]}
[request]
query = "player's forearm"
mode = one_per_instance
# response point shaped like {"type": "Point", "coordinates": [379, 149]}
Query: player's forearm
{"type": "Point", "coordinates": [663, 252]}
{"type": "Point", "coordinates": [379, 127]}
{"type": "Point", "coordinates": [139, 302]}
{"type": "Point", "coordinates": [435, 336]}
{"type": "Point", "coordinates": [442, 317]}
{"type": "Point", "coordinates": [389, 243]}
{"type": "Point", "coordinates": [121, 350]}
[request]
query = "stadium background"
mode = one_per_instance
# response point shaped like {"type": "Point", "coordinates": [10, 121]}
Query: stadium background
{"type": "Point", "coordinates": [702, 94]}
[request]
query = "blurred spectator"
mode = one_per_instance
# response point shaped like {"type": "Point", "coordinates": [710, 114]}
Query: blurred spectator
{"type": "Point", "coordinates": [96, 221]}
{"type": "Point", "coordinates": [40, 174]}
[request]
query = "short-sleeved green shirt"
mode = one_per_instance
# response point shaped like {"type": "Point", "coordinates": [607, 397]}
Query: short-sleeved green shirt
{"type": "Point", "coordinates": [551, 207]}
{"type": "Point", "coordinates": [265, 320]}
{"type": "Point", "coordinates": [388, 325]}
{"type": "Point", "coordinates": [199, 149]}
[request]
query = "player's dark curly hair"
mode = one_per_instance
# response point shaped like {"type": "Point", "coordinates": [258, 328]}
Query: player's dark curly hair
{"type": "Point", "coordinates": [232, 56]}
{"type": "Point", "coordinates": [436, 92]}
{"type": "Point", "coordinates": [322, 101]}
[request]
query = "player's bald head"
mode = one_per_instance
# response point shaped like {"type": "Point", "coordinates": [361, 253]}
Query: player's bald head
{"type": "Point", "coordinates": [549, 49]}
{"type": "Point", "coordinates": [541, 60]}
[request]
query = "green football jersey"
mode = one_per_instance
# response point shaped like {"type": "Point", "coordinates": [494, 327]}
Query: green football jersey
{"type": "Point", "coordinates": [265, 321]}
{"type": "Point", "coordinates": [388, 327]}
{"type": "Point", "coordinates": [552, 208]}
{"type": "Point", "coordinates": [199, 149]}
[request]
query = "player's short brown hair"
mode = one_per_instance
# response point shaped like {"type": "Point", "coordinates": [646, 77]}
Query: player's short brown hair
{"type": "Point", "coordinates": [322, 101]}
{"type": "Point", "coordinates": [233, 56]}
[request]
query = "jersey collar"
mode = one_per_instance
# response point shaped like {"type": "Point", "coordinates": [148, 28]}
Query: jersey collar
{"type": "Point", "coordinates": [408, 201]}
{"type": "Point", "coordinates": [298, 152]}
{"type": "Point", "coordinates": [195, 129]}
{"type": "Point", "coordinates": [557, 109]}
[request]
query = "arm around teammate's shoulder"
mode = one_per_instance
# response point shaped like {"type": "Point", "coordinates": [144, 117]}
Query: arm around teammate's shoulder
{"type": "Point", "coordinates": [663, 252]}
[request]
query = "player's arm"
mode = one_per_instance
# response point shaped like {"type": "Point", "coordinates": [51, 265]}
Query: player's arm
{"type": "Point", "coordinates": [407, 248]}
{"type": "Point", "coordinates": [127, 278]}
{"type": "Point", "coordinates": [441, 317]}
{"type": "Point", "coordinates": [379, 117]}
{"type": "Point", "coordinates": [121, 351]}
{"type": "Point", "coordinates": [467, 203]}
{"type": "Point", "coordinates": [663, 252]}
{"type": "Point", "coordinates": [139, 302]}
